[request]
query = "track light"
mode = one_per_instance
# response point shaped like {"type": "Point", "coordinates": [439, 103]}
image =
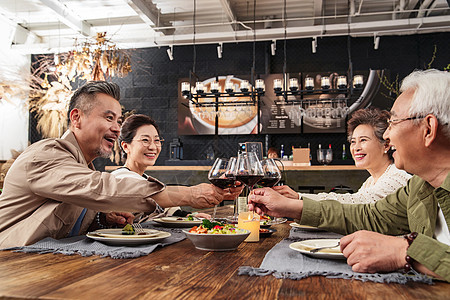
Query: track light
{"type": "Point", "coordinates": [376, 41]}
{"type": "Point", "coordinates": [219, 50]}
{"type": "Point", "coordinates": [170, 52]}
{"type": "Point", "coordinates": [273, 47]}
{"type": "Point", "coordinates": [314, 44]}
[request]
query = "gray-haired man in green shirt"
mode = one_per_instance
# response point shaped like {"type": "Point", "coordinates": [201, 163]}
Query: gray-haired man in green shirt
{"type": "Point", "coordinates": [419, 131]}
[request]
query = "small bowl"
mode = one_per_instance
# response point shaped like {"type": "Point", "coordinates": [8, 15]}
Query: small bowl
{"type": "Point", "coordinates": [217, 242]}
{"type": "Point", "coordinates": [261, 225]}
{"type": "Point", "coordinates": [266, 232]}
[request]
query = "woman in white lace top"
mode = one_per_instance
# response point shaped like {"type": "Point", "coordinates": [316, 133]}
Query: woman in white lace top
{"type": "Point", "coordinates": [370, 151]}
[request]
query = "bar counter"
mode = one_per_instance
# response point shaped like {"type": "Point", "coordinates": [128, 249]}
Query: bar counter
{"type": "Point", "coordinates": [300, 178]}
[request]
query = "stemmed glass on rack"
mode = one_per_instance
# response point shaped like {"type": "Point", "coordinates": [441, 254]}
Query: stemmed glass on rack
{"type": "Point", "coordinates": [324, 156]}
{"type": "Point", "coordinates": [248, 169]}
{"type": "Point", "coordinates": [221, 176]}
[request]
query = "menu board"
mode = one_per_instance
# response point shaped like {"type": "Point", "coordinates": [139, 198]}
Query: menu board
{"type": "Point", "coordinates": [255, 147]}
{"type": "Point", "coordinates": [277, 116]}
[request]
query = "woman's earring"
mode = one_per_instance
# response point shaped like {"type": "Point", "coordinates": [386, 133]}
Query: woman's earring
{"type": "Point", "coordinates": [385, 151]}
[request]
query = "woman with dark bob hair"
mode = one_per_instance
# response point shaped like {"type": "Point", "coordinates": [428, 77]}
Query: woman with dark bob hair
{"type": "Point", "coordinates": [371, 152]}
{"type": "Point", "coordinates": [141, 142]}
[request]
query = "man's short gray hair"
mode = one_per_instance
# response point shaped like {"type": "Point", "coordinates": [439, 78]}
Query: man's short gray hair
{"type": "Point", "coordinates": [431, 95]}
{"type": "Point", "coordinates": [84, 97]}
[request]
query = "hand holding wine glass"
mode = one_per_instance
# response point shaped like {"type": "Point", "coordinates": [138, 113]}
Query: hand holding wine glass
{"type": "Point", "coordinates": [248, 169]}
{"type": "Point", "coordinates": [272, 175]}
{"type": "Point", "coordinates": [220, 176]}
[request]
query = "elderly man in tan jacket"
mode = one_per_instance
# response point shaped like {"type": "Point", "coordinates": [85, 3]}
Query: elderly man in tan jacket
{"type": "Point", "coordinates": [53, 190]}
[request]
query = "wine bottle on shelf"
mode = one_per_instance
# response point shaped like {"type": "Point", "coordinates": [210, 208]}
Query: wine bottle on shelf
{"type": "Point", "coordinates": [282, 151]}
{"type": "Point", "coordinates": [310, 155]}
{"type": "Point", "coordinates": [344, 153]}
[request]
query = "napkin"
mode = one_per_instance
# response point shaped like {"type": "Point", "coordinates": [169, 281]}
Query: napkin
{"type": "Point", "coordinates": [283, 262]}
{"type": "Point", "coordinates": [86, 247]}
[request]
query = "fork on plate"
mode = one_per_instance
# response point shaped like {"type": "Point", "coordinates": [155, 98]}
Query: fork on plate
{"type": "Point", "coordinates": [138, 228]}
{"type": "Point", "coordinates": [321, 248]}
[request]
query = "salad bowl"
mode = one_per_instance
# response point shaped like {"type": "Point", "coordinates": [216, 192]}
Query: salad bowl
{"type": "Point", "coordinates": [216, 241]}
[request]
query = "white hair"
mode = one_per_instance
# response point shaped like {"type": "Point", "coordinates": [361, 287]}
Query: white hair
{"type": "Point", "coordinates": [431, 95]}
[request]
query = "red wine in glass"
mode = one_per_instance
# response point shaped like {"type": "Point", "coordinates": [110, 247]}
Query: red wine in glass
{"type": "Point", "coordinates": [268, 181]}
{"type": "Point", "coordinates": [249, 180]}
{"type": "Point", "coordinates": [271, 173]}
{"type": "Point", "coordinates": [223, 183]}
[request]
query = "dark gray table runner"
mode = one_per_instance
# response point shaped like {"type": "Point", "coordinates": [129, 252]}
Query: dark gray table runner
{"type": "Point", "coordinates": [85, 246]}
{"type": "Point", "coordinates": [283, 262]}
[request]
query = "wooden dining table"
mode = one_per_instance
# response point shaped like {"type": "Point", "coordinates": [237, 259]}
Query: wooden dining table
{"type": "Point", "coordinates": [180, 271]}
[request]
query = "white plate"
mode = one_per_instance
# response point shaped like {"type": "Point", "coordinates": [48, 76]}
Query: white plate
{"type": "Point", "coordinates": [174, 222]}
{"type": "Point", "coordinates": [305, 227]}
{"type": "Point", "coordinates": [307, 245]}
{"type": "Point", "coordinates": [128, 241]}
{"type": "Point", "coordinates": [117, 233]}
{"type": "Point", "coordinates": [273, 222]}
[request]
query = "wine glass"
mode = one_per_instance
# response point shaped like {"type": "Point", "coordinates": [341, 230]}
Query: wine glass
{"type": "Point", "coordinates": [324, 156]}
{"type": "Point", "coordinates": [220, 176]}
{"type": "Point", "coordinates": [248, 169]}
{"type": "Point", "coordinates": [231, 173]}
{"type": "Point", "coordinates": [272, 174]}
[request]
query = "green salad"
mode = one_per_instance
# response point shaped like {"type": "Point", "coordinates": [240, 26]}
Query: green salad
{"type": "Point", "coordinates": [209, 227]}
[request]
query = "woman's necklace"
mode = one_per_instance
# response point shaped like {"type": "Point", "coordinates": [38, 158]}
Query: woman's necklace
{"type": "Point", "coordinates": [385, 171]}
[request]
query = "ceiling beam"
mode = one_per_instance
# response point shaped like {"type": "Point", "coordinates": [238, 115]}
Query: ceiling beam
{"type": "Point", "coordinates": [231, 16]}
{"type": "Point", "coordinates": [318, 7]}
{"type": "Point", "coordinates": [228, 10]}
{"type": "Point", "coordinates": [68, 17]}
{"type": "Point", "coordinates": [388, 27]}
{"type": "Point", "coordinates": [20, 35]}
{"type": "Point", "coordinates": [423, 7]}
{"type": "Point", "coordinates": [150, 14]}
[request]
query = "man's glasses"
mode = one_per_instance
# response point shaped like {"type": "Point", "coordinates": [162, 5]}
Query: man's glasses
{"type": "Point", "coordinates": [396, 121]}
{"type": "Point", "coordinates": [147, 142]}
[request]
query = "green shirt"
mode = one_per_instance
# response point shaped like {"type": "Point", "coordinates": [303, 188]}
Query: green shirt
{"type": "Point", "coordinates": [413, 208]}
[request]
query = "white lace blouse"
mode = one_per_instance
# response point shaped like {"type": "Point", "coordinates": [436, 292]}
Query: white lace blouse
{"type": "Point", "coordinates": [370, 191]}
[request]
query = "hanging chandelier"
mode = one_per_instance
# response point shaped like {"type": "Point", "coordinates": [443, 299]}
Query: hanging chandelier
{"type": "Point", "coordinates": [95, 59]}
{"type": "Point", "coordinates": [214, 93]}
{"type": "Point", "coordinates": [322, 95]}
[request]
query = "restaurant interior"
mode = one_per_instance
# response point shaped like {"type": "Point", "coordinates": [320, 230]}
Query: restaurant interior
{"type": "Point", "coordinates": [162, 43]}
{"type": "Point", "coordinates": [217, 76]}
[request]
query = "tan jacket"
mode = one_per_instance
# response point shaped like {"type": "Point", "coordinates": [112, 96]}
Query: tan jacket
{"type": "Point", "coordinates": [50, 183]}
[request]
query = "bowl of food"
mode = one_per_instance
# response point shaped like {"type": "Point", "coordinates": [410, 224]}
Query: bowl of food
{"type": "Point", "coordinates": [215, 236]}
{"type": "Point", "coordinates": [263, 232]}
